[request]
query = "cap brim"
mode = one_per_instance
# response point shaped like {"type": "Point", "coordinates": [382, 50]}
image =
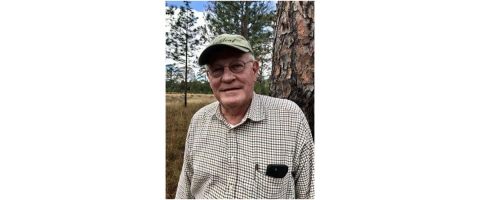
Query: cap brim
{"type": "Point", "coordinates": [202, 60]}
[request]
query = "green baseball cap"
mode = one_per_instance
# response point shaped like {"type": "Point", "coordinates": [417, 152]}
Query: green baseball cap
{"type": "Point", "coordinates": [235, 41]}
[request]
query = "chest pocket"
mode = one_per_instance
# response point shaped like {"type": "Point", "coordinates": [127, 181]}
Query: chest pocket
{"type": "Point", "coordinates": [268, 187]}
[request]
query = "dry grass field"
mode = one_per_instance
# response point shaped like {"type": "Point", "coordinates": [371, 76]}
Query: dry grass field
{"type": "Point", "coordinates": [177, 98]}
{"type": "Point", "coordinates": [177, 121]}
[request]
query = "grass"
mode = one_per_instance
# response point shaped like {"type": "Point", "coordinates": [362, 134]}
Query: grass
{"type": "Point", "coordinates": [177, 122]}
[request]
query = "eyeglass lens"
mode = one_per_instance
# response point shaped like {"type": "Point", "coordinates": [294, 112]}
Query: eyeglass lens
{"type": "Point", "coordinates": [235, 67]}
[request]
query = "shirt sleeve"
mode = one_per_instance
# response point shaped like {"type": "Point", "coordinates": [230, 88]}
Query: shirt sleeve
{"type": "Point", "coordinates": [184, 183]}
{"type": "Point", "coordinates": [304, 176]}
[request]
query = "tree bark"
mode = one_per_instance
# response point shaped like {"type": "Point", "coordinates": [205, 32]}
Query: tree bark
{"type": "Point", "coordinates": [293, 56]}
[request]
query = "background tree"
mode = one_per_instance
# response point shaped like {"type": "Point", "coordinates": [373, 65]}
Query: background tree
{"type": "Point", "coordinates": [293, 55]}
{"type": "Point", "coordinates": [173, 74]}
{"type": "Point", "coordinates": [253, 20]}
{"type": "Point", "coordinates": [183, 39]}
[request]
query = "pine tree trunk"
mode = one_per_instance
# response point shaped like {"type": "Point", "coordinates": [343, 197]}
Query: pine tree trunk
{"type": "Point", "coordinates": [293, 56]}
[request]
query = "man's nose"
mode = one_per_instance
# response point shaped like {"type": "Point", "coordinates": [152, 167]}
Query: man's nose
{"type": "Point", "coordinates": [228, 75]}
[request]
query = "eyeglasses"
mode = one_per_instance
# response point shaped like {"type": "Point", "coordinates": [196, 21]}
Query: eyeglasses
{"type": "Point", "coordinates": [235, 67]}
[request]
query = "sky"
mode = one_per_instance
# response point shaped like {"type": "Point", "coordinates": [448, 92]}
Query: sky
{"type": "Point", "coordinates": [196, 5]}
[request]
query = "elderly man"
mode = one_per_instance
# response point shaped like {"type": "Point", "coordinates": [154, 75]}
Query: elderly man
{"type": "Point", "coordinates": [244, 145]}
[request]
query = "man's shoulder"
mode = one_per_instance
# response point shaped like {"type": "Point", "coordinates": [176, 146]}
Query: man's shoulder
{"type": "Point", "coordinates": [207, 110]}
{"type": "Point", "coordinates": [274, 103]}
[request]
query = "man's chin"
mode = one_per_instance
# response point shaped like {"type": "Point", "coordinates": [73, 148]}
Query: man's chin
{"type": "Point", "coordinates": [230, 101]}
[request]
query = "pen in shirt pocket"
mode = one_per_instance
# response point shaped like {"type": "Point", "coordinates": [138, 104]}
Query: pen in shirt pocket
{"type": "Point", "coordinates": [255, 172]}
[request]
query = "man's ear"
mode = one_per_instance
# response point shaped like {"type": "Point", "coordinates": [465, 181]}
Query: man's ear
{"type": "Point", "coordinates": [256, 67]}
{"type": "Point", "coordinates": [207, 75]}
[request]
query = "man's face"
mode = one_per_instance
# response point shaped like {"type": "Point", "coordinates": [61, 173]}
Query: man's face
{"type": "Point", "coordinates": [233, 89]}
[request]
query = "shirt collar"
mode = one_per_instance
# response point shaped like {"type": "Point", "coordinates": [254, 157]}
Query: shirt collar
{"type": "Point", "coordinates": [256, 111]}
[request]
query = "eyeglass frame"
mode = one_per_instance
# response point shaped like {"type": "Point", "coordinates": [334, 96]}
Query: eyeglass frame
{"type": "Point", "coordinates": [229, 68]}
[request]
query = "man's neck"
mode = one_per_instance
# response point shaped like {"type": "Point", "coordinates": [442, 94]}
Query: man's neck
{"type": "Point", "coordinates": [234, 115]}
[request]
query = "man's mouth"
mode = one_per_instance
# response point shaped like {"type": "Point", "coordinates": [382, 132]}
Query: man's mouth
{"type": "Point", "coordinates": [229, 89]}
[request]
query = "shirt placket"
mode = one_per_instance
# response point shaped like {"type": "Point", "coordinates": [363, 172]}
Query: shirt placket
{"type": "Point", "coordinates": [232, 162]}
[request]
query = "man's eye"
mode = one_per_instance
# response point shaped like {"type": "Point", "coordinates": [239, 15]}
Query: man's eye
{"type": "Point", "coordinates": [217, 70]}
{"type": "Point", "coordinates": [237, 66]}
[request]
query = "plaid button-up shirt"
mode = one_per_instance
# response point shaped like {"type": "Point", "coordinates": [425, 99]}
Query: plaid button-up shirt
{"type": "Point", "coordinates": [230, 163]}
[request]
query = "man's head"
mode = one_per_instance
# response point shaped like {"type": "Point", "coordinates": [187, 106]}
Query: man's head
{"type": "Point", "coordinates": [232, 70]}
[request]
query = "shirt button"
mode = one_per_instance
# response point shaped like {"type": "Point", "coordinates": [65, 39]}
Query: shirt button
{"type": "Point", "coordinates": [231, 159]}
{"type": "Point", "coordinates": [231, 188]}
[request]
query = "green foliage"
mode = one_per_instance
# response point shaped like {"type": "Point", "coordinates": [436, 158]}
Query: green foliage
{"type": "Point", "coordinates": [193, 86]}
{"type": "Point", "coordinates": [262, 87]}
